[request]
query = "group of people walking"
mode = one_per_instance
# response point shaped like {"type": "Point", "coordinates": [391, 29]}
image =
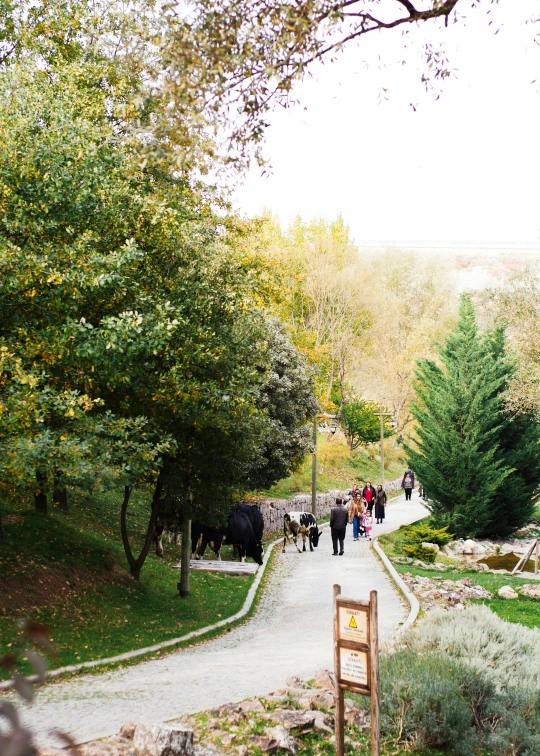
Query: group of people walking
{"type": "Point", "coordinates": [363, 507]}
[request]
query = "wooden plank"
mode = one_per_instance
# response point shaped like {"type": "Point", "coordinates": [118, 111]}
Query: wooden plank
{"type": "Point", "coordinates": [225, 568]}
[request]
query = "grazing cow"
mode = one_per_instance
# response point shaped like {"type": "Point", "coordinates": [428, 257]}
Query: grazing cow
{"type": "Point", "coordinates": [256, 519]}
{"type": "Point", "coordinates": [239, 532]}
{"type": "Point", "coordinates": [206, 535]}
{"type": "Point", "coordinates": [166, 523]}
{"type": "Point", "coordinates": [300, 523]}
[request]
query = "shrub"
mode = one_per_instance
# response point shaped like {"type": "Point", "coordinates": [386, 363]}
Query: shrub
{"type": "Point", "coordinates": [417, 551]}
{"type": "Point", "coordinates": [423, 532]}
{"type": "Point", "coordinates": [423, 704]}
{"type": "Point", "coordinates": [463, 681]}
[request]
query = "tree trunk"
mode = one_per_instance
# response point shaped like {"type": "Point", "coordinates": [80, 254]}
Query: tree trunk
{"type": "Point", "coordinates": [135, 565]}
{"type": "Point", "coordinates": [40, 497]}
{"type": "Point", "coordinates": [186, 555]}
{"type": "Point", "coordinates": [1, 531]}
{"type": "Point", "coordinates": [60, 494]}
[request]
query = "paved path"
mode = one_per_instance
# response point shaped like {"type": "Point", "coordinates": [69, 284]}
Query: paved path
{"type": "Point", "coordinates": [290, 634]}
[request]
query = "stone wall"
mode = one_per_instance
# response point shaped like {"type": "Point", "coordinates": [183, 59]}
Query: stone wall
{"type": "Point", "coordinates": [274, 509]}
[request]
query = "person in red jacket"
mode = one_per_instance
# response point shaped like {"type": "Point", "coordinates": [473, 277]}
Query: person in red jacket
{"type": "Point", "coordinates": [368, 494]}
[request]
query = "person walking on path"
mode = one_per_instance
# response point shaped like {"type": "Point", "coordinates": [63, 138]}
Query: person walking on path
{"type": "Point", "coordinates": [380, 504]}
{"type": "Point", "coordinates": [369, 495]}
{"type": "Point", "coordinates": [338, 525]}
{"type": "Point", "coordinates": [408, 484]}
{"type": "Point", "coordinates": [368, 524]}
{"type": "Point", "coordinates": [356, 510]}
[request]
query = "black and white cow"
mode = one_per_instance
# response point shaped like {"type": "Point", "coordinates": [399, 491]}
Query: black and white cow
{"type": "Point", "coordinates": [300, 523]}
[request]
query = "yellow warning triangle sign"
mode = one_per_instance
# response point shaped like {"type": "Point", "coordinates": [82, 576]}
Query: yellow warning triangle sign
{"type": "Point", "coordinates": [353, 624]}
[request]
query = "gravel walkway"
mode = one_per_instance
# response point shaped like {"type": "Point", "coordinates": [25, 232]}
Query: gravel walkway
{"type": "Point", "coordinates": [290, 634]}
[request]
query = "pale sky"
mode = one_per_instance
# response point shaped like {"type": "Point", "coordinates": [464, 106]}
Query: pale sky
{"type": "Point", "coordinates": [465, 167]}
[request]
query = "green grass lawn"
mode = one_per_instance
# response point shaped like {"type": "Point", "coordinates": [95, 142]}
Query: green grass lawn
{"type": "Point", "coordinates": [522, 610]}
{"type": "Point", "coordinates": [68, 571]}
{"type": "Point", "coordinates": [337, 469]}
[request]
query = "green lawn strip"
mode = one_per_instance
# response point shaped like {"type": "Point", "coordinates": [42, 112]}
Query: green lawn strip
{"type": "Point", "coordinates": [523, 610]}
{"type": "Point", "coordinates": [97, 609]}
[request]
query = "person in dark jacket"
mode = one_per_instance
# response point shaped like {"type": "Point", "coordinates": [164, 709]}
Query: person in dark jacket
{"type": "Point", "coordinates": [380, 504]}
{"type": "Point", "coordinates": [368, 493]}
{"type": "Point", "coordinates": [408, 484]}
{"type": "Point", "coordinates": [338, 525]}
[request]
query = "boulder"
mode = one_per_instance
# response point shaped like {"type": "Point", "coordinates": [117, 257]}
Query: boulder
{"type": "Point", "coordinates": [321, 721]}
{"type": "Point", "coordinates": [163, 740]}
{"type": "Point", "coordinates": [295, 722]}
{"type": "Point", "coordinates": [507, 592]}
{"type": "Point", "coordinates": [127, 730]}
{"type": "Point", "coordinates": [531, 591]}
{"type": "Point", "coordinates": [251, 705]}
{"type": "Point", "coordinates": [468, 546]}
{"type": "Point", "coordinates": [434, 546]}
{"type": "Point", "coordinates": [280, 734]}
{"type": "Point", "coordinates": [266, 745]}
{"type": "Point", "coordinates": [325, 679]}
{"type": "Point", "coordinates": [323, 699]}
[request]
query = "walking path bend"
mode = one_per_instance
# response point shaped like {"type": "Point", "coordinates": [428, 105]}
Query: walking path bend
{"type": "Point", "coordinates": [290, 634]}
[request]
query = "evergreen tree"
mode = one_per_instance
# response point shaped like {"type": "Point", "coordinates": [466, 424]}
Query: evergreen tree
{"type": "Point", "coordinates": [460, 419]}
{"type": "Point", "coordinates": [519, 440]}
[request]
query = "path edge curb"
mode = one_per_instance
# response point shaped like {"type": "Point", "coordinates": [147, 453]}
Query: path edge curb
{"type": "Point", "coordinates": [246, 606]}
{"type": "Point", "coordinates": [400, 583]}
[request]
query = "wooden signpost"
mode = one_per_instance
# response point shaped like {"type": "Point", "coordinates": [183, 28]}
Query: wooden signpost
{"type": "Point", "coordinates": [356, 660]}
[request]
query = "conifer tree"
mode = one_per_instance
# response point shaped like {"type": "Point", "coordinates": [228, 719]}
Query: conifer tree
{"type": "Point", "coordinates": [459, 411]}
{"type": "Point", "coordinates": [519, 440]}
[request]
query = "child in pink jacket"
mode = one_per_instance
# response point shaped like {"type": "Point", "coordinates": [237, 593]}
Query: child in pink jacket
{"type": "Point", "coordinates": [368, 524]}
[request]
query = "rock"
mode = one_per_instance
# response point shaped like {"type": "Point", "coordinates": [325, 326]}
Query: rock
{"type": "Point", "coordinates": [325, 680]}
{"type": "Point", "coordinates": [100, 749]}
{"type": "Point", "coordinates": [242, 750]}
{"type": "Point", "coordinates": [321, 721]}
{"type": "Point", "coordinates": [266, 745]}
{"type": "Point", "coordinates": [285, 741]}
{"type": "Point", "coordinates": [468, 546]}
{"type": "Point", "coordinates": [127, 730]}
{"type": "Point", "coordinates": [227, 739]}
{"type": "Point", "coordinates": [295, 682]}
{"type": "Point", "coordinates": [531, 591]}
{"type": "Point", "coordinates": [323, 700]}
{"type": "Point", "coordinates": [434, 546]}
{"type": "Point", "coordinates": [507, 592]}
{"type": "Point", "coordinates": [251, 705]}
{"type": "Point", "coordinates": [163, 740]}
{"type": "Point", "coordinates": [296, 722]}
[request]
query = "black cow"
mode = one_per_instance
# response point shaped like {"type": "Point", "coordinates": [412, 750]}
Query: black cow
{"type": "Point", "coordinates": [300, 523]}
{"type": "Point", "coordinates": [206, 535]}
{"type": "Point", "coordinates": [239, 532]}
{"type": "Point", "coordinates": [256, 519]}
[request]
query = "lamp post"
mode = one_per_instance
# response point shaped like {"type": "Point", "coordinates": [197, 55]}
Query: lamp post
{"type": "Point", "coordinates": [314, 460]}
{"type": "Point", "coordinates": [381, 419]}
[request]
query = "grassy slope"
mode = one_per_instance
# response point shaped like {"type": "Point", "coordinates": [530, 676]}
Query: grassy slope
{"type": "Point", "coordinates": [522, 610]}
{"type": "Point", "coordinates": [336, 468]}
{"type": "Point", "coordinates": [68, 571]}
